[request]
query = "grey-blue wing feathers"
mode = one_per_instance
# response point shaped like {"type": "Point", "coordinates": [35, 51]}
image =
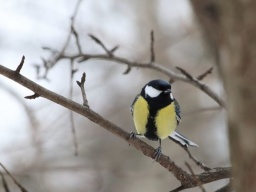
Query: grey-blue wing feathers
{"type": "Point", "coordinates": [177, 110]}
{"type": "Point", "coordinates": [177, 137]}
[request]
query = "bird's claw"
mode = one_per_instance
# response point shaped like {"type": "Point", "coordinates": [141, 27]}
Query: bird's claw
{"type": "Point", "coordinates": [132, 135]}
{"type": "Point", "coordinates": [157, 153]}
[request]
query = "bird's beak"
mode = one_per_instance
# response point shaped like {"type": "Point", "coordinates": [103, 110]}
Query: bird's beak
{"type": "Point", "coordinates": [168, 91]}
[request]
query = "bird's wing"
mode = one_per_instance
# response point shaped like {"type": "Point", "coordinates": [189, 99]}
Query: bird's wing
{"type": "Point", "coordinates": [131, 108]}
{"type": "Point", "coordinates": [176, 137]}
{"type": "Point", "coordinates": [177, 110]}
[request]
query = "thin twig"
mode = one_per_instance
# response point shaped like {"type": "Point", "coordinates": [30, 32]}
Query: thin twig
{"type": "Point", "coordinates": [34, 96]}
{"type": "Point", "coordinates": [185, 73]}
{"type": "Point", "coordinates": [152, 52]}
{"type": "Point", "coordinates": [57, 55]}
{"type": "Point", "coordinates": [128, 70]}
{"type": "Point", "coordinates": [109, 53]}
{"type": "Point", "coordinates": [193, 174]}
{"type": "Point", "coordinates": [114, 49]}
{"type": "Point", "coordinates": [206, 109]}
{"type": "Point", "coordinates": [81, 85]}
{"type": "Point", "coordinates": [21, 64]}
{"type": "Point", "coordinates": [203, 75]}
{"type": "Point", "coordinates": [5, 186]}
{"type": "Point", "coordinates": [37, 67]}
{"type": "Point", "coordinates": [71, 116]}
{"type": "Point", "coordinates": [197, 162]}
{"type": "Point", "coordinates": [14, 180]}
{"type": "Point", "coordinates": [77, 39]}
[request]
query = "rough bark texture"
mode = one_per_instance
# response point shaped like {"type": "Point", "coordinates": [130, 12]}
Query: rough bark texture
{"type": "Point", "coordinates": [231, 28]}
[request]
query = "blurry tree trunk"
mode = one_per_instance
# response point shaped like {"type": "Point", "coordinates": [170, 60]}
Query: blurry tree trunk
{"type": "Point", "coordinates": [230, 27]}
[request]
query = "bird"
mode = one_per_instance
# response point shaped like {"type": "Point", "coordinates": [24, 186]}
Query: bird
{"type": "Point", "coordinates": [156, 115]}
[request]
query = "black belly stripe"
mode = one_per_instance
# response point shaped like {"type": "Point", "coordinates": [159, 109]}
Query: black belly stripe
{"type": "Point", "coordinates": [155, 104]}
{"type": "Point", "coordinates": [151, 129]}
{"type": "Point", "coordinates": [151, 126]}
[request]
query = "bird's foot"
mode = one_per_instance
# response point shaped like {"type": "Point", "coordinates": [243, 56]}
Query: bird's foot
{"type": "Point", "coordinates": [132, 135]}
{"type": "Point", "coordinates": [157, 153]}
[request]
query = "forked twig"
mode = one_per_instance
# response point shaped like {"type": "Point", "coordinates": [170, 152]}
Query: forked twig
{"type": "Point", "coordinates": [81, 85]}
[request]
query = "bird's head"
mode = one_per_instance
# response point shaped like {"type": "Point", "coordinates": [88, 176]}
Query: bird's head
{"type": "Point", "coordinates": [157, 89]}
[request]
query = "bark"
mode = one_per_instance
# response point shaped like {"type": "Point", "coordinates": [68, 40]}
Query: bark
{"type": "Point", "coordinates": [230, 28]}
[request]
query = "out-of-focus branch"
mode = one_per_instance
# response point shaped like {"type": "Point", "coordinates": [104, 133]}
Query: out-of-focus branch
{"type": "Point", "coordinates": [109, 56]}
{"type": "Point", "coordinates": [152, 51]}
{"type": "Point", "coordinates": [157, 67]}
{"type": "Point", "coordinates": [99, 42]}
{"type": "Point", "coordinates": [57, 55]}
{"type": "Point", "coordinates": [186, 179]}
{"type": "Point", "coordinates": [14, 180]}
{"type": "Point", "coordinates": [196, 161]}
{"type": "Point", "coordinates": [203, 75]}
{"type": "Point", "coordinates": [193, 174]}
{"type": "Point", "coordinates": [53, 60]}
{"type": "Point", "coordinates": [71, 115]}
{"type": "Point", "coordinates": [5, 186]}
{"type": "Point", "coordinates": [185, 77]}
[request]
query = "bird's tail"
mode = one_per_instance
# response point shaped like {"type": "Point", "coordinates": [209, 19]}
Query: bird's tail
{"type": "Point", "coordinates": [176, 137]}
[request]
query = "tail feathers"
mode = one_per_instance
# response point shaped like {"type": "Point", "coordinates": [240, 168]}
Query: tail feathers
{"type": "Point", "coordinates": [182, 139]}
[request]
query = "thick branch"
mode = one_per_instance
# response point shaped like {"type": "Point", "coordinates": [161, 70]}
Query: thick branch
{"type": "Point", "coordinates": [186, 179]}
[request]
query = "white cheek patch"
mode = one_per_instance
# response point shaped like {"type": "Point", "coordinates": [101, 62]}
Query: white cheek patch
{"type": "Point", "coordinates": [152, 92]}
{"type": "Point", "coordinates": [171, 96]}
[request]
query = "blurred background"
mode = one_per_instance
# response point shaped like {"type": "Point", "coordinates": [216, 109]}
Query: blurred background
{"type": "Point", "coordinates": [36, 142]}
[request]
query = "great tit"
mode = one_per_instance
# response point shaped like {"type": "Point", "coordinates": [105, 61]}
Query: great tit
{"type": "Point", "coordinates": [156, 114]}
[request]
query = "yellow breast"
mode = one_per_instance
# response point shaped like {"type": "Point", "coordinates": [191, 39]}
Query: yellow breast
{"type": "Point", "coordinates": [140, 115]}
{"type": "Point", "coordinates": [166, 121]}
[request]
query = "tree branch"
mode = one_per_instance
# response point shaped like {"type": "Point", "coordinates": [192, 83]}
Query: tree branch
{"type": "Point", "coordinates": [192, 172]}
{"type": "Point", "coordinates": [152, 52]}
{"type": "Point", "coordinates": [157, 67]}
{"type": "Point", "coordinates": [109, 56]}
{"type": "Point", "coordinates": [186, 179]}
{"type": "Point", "coordinates": [81, 85]}
{"type": "Point", "coordinates": [14, 180]}
{"type": "Point", "coordinates": [57, 55]}
{"type": "Point", "coordinates": [21, 64]}
{"type": "Point", "coordinates": [202, 76]}
{"type": "Point", "coordinates": [5, 186]}
{"type": "Point", "coordinates": [196, 161]}
{"type": "Point", "coordinates": [71, 113]}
